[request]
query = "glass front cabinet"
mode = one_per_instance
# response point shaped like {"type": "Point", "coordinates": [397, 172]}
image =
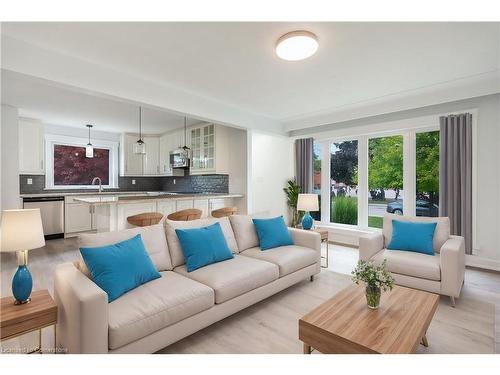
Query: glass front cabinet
{"type": "Point", "coordinates": [203, 148]}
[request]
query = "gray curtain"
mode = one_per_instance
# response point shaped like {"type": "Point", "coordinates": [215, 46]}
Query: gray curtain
{"type": "Point", "coordinates": [455, 174]}
{"type": "Point", "coordinates": [304, 164]}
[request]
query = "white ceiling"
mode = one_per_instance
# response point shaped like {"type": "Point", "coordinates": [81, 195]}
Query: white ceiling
{"type": "Point", "coordinates": [235, 63]}
{"type": "Point", "coordinates": [37, 99]}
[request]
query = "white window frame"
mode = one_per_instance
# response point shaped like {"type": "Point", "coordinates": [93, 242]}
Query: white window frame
{"type": "Point", "coordinates": [408, 128]}
{"type": "Point", "coordinates": [52, 139]}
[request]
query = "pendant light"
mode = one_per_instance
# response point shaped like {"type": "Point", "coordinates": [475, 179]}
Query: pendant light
{"type": "Point", "coordinates": [89, 150]}
{"type": "Point", "coordinates": [185, 148]}
{"type": "Point", "coordinates": [140, 146]}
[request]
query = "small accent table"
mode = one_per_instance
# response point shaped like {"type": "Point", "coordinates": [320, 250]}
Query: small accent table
{"type": "Point", "coordinates": [17, 320]}
{"type": "Point", "coordinates": [324, 238]}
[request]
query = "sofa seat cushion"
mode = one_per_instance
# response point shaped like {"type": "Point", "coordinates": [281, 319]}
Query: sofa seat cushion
{"type": "Point", "coordinates": [234, 277]}
{"type": "Point", "coordinates": [156, 305]}
{"type": "Point", "coordinates": [410, 264]}
{"type": "Point", "coordinates": [288, 258]}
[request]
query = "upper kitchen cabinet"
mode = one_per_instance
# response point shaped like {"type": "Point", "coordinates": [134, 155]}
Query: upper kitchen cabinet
{"type": "Point", "coordinates": [151, 160]}
{"type": "Point", "coordinates": [209, 149]}
{"type": "Point", "coordinates": [169, 142]}
{"type": "Point", "coordinates": [31, 147]}
{"type": "Point", "coordinates": [131, 164]}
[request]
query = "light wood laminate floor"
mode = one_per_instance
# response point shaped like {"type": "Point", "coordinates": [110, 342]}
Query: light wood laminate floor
{"type": "Point", "coordinates": [271, 325]}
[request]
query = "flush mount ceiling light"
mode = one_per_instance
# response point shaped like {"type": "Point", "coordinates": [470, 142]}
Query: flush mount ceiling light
{"type": "Point", "coordinates": [297, 45]}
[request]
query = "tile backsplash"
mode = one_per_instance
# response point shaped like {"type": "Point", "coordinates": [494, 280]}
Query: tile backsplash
{"type": "Point", "coordinates": [215, 183]}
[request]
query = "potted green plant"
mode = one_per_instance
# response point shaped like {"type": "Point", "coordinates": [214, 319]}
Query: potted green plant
{"type": "Point", "coordinates": [292, 191]}
{"type": "Point", "coordinates": [376, 279]}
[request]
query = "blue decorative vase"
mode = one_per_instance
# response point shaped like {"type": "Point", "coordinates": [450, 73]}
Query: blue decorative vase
{"type": "Point", "coordinates": [307, 221]}
{"type": "Point", "coordinates": [22, 284]}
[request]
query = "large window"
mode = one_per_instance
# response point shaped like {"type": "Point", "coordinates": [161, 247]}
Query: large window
{"type": "Point", "coordinates": [67, 167]}
{"type": "Point", "coordinates": [427, 173]}
{"type": "Point", "coordinates": [344, 182]}
{"type": "Point", "coordinates": [396, 171]}
{"type": "Point", "coordinates": [72, 167]}
{"type": "Point", "coordinates": [385, 178]}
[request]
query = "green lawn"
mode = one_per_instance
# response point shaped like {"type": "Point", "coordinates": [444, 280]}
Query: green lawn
{"type": "Point", "coordinates": [375, 222]}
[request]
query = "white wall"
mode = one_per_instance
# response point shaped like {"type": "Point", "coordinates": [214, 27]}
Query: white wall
{"type": "Point", "coordinates": [10, 158]}
{"type": "Point", "coordinates": [237, 166]}
{"type": "Point", "coordinates": [488, 162]}
{"type": "Point", "coordinates": [271, 165]}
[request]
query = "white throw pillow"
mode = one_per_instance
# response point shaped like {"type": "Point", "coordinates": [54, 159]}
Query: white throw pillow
{"type": "Point", "coordinates": [244, 231]}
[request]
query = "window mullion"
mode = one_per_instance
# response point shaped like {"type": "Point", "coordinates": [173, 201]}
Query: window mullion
{"type": "Point", "coordinates": [409, 173]}
{"type": "Point", "coordinates": [363, 182]}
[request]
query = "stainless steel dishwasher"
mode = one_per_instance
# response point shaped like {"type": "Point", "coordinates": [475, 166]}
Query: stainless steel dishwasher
{"type": "Point", "coordinates": [52, 212]}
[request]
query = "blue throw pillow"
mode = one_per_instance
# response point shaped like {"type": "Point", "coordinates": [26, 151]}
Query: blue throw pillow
{"type": "Point", "coordinates": [410, 236]}
{"type": "Point", "coordinates": [272, 233]}
{"type": "Point", "coordinates": [203, 246]}
{"type": "Point", "coordinates": [120, 267]}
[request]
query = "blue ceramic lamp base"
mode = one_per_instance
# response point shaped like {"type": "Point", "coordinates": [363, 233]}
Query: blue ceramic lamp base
{"type": "Point", "coordinates": [307, 221]}
{"type": "Point", "coordinates": [22, 283]}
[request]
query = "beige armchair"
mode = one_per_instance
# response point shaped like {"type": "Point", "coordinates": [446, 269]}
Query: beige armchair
{"type": "Point", "coordinates": [442, 273]}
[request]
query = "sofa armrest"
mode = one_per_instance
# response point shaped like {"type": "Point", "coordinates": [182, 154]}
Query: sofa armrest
{"type": "Point", "coordinates": [370, 244]}
{"type": "Point", "coordinates": [82, 309]}
{"type": "Point", "coordinates": [452, 257]}
{"type": "Point", "coordinates": [306, 238]}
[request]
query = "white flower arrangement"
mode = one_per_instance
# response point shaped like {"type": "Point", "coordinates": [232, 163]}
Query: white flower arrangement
{"type": "Point", "coordinates": [373, 276]}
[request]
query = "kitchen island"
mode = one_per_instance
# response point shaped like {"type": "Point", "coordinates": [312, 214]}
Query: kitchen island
{"type": "Point", "coordinates": [109, 212]}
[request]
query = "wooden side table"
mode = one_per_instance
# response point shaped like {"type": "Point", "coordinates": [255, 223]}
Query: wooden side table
{"type": "Point", "coordinates": [17, 320]}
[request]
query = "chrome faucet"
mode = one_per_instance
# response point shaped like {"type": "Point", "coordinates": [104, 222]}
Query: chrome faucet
{"type": "Point", "coordinates": [100, 183]}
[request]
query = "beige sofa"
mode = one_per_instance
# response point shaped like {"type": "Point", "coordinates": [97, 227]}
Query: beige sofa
{"type": "Point", "coordinates": [442, 273]}
{"type": "Point", "coordinates": [165, 310]}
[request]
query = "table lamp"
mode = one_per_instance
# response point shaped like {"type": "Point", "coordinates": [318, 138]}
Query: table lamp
{"type": "Point", "coordinates": [21, 231]}
{"type": "Point", "coordinates": [307, 203]}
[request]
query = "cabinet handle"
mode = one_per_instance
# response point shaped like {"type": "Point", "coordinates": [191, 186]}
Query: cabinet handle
{"type": "Point", "coordinates": [41, 164]}
{"type": "Point", "coordinates": [157, 169]}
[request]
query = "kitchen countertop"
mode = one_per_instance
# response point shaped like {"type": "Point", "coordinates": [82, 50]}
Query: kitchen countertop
{"type": "Point", "coordinates": [106, 199]}
{"type": "Point", "coordinates": [134, 194]}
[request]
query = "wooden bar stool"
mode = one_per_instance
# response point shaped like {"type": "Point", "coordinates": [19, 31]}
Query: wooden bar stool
{"type": "Point", "coordinates": [185, 215]}
{"type": "Point", "coordinates": [145, 219]}
{"type": "Point", "coordinates": [224, 211]}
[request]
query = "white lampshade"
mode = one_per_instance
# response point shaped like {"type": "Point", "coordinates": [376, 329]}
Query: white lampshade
{"type": "Point", "coordinates": [308, 202]}
{"type": "Point", "coordinates": [21, 230]}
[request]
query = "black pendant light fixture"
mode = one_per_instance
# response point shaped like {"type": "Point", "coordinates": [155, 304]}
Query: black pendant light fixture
{"type": "Point", "coordinates": [140, 146]}
{"type": "Point", "coordinates": [89, 150]}
{"type": "Point", "coordinates": [185, 148]}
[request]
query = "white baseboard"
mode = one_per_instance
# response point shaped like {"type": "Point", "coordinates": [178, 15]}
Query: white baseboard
{"type": "Point", "coordinates": [485, 263]}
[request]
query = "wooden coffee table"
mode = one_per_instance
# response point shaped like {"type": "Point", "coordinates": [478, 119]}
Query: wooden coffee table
{"type": "Point", "coordinates": [344, 324]}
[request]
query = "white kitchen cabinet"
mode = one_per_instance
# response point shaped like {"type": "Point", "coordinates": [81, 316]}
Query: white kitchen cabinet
{"type": "Point", "coordinates": [165, 148]}
{"type": "Point", "coordinates": [217, 203]}
{"type": "Point", "coordinates": [166, 207]}
{"type": "Point", "coordinates": [209, 148]}
{"type": "Point", "coordinates": [202, 204]}
{"type": "Point", "coordinates": [31, 148]}
{"type": "Point", "coordinates": [129, 209]}
{"type": "Point", "coordinates": [184, 204]}
{"type": "Point", "coordinates": [77, 218]}
{"type": "Point", "coordinates": [131, 164]}
{"type": "Point", "coordinates": [151, 160]}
